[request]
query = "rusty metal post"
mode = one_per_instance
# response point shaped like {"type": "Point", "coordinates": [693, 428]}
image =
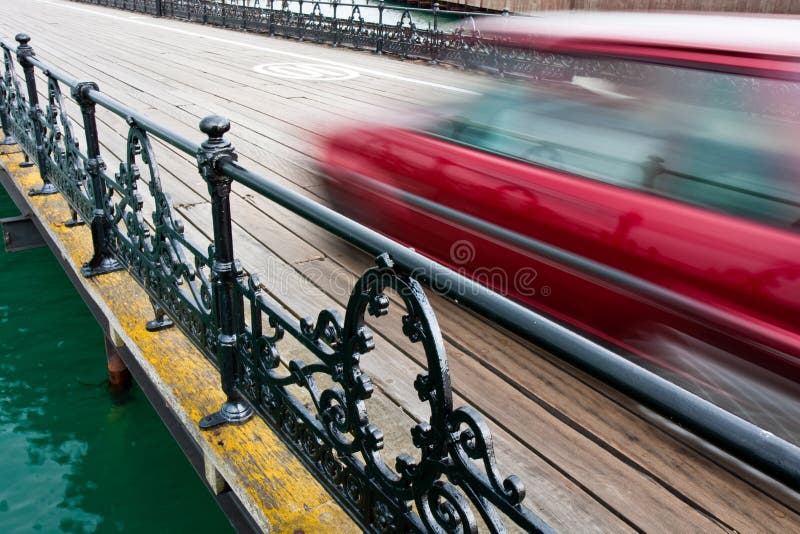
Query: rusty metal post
{"type": "Point", "coordinates": [119, 377]}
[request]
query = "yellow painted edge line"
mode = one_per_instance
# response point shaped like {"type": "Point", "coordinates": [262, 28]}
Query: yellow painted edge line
{"type": "Point", "coordinates": [272, 484]}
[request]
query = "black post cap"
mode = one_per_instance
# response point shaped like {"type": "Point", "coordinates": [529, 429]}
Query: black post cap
{"type": "Point", "coordinates": [215, 126]}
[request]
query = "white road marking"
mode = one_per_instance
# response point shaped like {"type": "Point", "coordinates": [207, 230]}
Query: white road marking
{"type": "Point", "coordinates": [362, 70]}
{"type": "Point", "coordinates": [306, 71]}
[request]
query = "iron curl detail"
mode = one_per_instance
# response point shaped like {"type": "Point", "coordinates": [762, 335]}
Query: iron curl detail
{"type": "Point", "coordinates": [452, 485]}
{"type": "Point", "coordinates": [155, 249]}
{"type": "Point", "coordinates": [65, 164]}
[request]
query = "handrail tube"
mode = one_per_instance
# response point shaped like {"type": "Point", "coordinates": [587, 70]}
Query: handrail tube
{"type": "Point", "coordinates": [53, 72]}
{"type": "Point", "coordinates": [773, 455]}
{"type": "Point", "coordinates": [146, 123]}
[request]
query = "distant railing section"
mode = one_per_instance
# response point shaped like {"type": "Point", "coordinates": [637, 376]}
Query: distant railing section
{"type": "Point", "coordinates": [431, 34]}
{"type": "Point", "coordinates": [450, 485]}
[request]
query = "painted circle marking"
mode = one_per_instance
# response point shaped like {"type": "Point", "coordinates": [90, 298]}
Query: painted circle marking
{"type": "Point", "coordinates": [319, 72]}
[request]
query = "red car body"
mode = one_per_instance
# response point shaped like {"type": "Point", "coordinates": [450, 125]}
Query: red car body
{"type": "Point", "coordinates": [746, 269]}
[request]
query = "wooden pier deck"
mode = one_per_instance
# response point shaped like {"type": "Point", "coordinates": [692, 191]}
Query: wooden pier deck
{"type": "Point", "coordinates": [591, 459]}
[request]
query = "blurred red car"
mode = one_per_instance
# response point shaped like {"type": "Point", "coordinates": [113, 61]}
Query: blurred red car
{"type": "Point", "coordinates": [666, 146]}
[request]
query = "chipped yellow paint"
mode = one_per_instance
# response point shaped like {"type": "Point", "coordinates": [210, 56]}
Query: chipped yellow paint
{"type": "Point", "coordinates": [276, 489]}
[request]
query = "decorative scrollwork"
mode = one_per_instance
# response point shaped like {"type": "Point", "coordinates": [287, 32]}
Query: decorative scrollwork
{"type": "Point", "coordinates": [407, 39]}
{"type": "Point", "coordinates": [64, 162]}
{"type": "Point", "coordinates": [17, 106]}
{"type": "Point", "coordinates": [333, 428]}
{"type": "Point", "coordinates": [154, 249]}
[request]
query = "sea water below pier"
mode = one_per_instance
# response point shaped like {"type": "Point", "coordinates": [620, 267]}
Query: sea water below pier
{"type": "Point", "coordinates": [73, 457]}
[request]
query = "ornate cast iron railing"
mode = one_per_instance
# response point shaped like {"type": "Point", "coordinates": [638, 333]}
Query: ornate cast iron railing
{"type": "Point", "coordinates": [454, 486]}
{"type": "Point", "coordinates": [407, 32]}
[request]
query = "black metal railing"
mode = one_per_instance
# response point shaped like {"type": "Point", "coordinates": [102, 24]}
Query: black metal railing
{"type": "Point", "coordinates": [225, 311]}
{"type": "Point", "coordinates": [433, 34]}
{"type": "Point", "coordinates": [228, 314]}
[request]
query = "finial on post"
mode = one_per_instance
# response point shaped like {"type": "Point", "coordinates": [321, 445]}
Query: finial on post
{"type": "Point", "coordinates": [24, 50]}
{"type": "Point", "coordinates": [215, 127]}
{"type": "Point", "coordinates": [214, 150]}
{"type": "Point", "coordinates": [22, 38]}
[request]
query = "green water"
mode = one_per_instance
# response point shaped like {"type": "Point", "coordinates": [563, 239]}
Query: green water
{"type": "Point", "coordinates": [72, 457]}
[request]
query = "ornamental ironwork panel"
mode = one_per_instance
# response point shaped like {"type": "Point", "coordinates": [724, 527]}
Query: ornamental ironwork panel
{"type": "Point", "coordinates": [173, 271]}
{"type": "Point", "coordinates": [64, 163]}
{"type": "Point", "coordinates": [16, 107]}
{"type": "Point", "coordinates": [407, 40]}
{"type": "Point", "coordinates": [454, 484]}
{"type": "Point", "coordinates": [356, 32]}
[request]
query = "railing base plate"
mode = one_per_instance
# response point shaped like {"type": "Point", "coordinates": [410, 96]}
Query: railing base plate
{"type": "Point", "coordinates": [156, 325]}
{"type": "Point", "coordinates": [46, 189]}
{"type": "Point", "coordinates": [106, 265]}
{"type": "Point", "coordinates": [230, 413]}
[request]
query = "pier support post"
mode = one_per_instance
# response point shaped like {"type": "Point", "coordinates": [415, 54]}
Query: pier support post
{"type": "Point", "coordinates": [103, 260]}
{"type": "Point", "coordinates": [119, 377]}
{"type": "Point", "coordinates": [24, 55]}
{"type": "Point", "coordinates": [214, 152]}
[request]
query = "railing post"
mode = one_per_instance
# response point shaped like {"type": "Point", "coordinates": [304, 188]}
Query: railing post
{"type": "Point", "coordinates": [379, 44]}
{"type": "Point", "coordinates": [24, 55]}
{"type": "Point", "coordinates": [301, 27]}
{"type": "Point", "coordinates": [216, 150]}
{"type": "Point", "coordinates": [335, 23]}
{"type": "Point", "coordinates": [103, 260]}
{"type": "Point", "coordinates": [435, 39]}
{"type": "Point", "coordinates": [272, 17]}
{"type": "Point", "coordinates": [501, 63]}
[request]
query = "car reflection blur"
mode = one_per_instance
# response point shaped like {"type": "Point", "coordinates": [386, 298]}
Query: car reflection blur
{"type": "Point", "coordinates": [671, 161]}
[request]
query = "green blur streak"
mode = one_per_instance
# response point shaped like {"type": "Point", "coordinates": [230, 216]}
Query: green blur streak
{"type": "Point", "coordinates": [73, 458]}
